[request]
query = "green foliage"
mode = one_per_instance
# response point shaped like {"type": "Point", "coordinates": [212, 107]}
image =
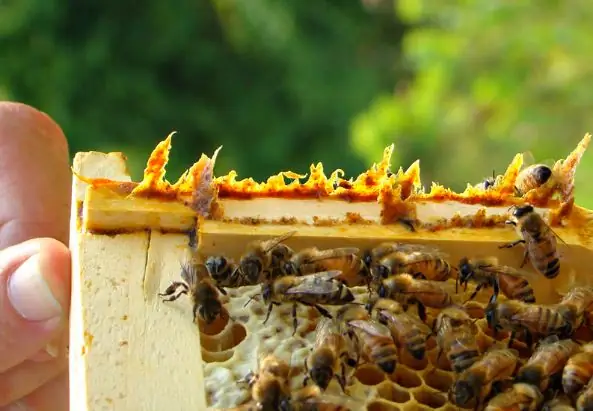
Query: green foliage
{"type": "Point", "coordinates": [275, 83]}
{"type": "Point", "coordinates": [287, 83]}
{"type": "Point", "coordinates": [490, 79]}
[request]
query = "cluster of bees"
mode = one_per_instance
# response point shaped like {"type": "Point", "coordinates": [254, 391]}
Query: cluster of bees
{"type": "Point", "coordinates": [400, 275]}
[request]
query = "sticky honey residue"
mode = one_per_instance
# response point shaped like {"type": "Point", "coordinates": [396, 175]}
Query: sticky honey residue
{"type": "Point", "coordinates": [200, 190]}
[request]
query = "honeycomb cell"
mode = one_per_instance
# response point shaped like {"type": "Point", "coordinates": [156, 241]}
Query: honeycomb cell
{"type": "Point", "coordinates": [216, 326]}
{"type": "Point", "coordinates": [437, 379]}
{"type": "Point", "coordinates": [382, 406]}
{"type": "Point", "coordinates": [391, 392]}
{"type": "Point", "coordinates": [369, 375]}
{"type": "Point", "coordinates": [219, 356]}
{"type": "Point", "coordinates": [227, 339]}
{"type": "Point", "coordinates": [405, 377]}
{"type": "Point", "coordinates": [474, 309]}
{"type": "Point", "coordinates": [430, 399]}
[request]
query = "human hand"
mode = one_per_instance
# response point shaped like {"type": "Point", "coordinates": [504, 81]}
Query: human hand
{"type": "Point", "coordinates": [34, 261]}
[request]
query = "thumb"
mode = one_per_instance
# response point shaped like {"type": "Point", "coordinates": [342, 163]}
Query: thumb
{"type": "Point", "coordinates": [34, 298]}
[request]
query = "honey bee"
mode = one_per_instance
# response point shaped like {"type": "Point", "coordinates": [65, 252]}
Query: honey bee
{"type": "Point", "coordinates": [559, 403]}
{"type": "Point", "coordinates": [585, 398]}
{"type": "Point", "coordinates": [407, 330]}
{"type": "Point", "coordinates": [330, 355]}
{"type": "Point", "coordinates": [547, 362]}
{"type": "Point", "coordinates": [456, 337]}
{"type": "Point", "coordinates": [514, 316]}
{"type": "Point", "coordinates": [476, 381]}
{"type": "Point", "coordinates": [204, 294]}
{"type": "Point", "coordinates": [488, 273]}
{"type": "Point", "coordinates": [374, 343]}
{"type": "Point", "coordinates": [257, 259]}
{"type": "Point", "coordinates": [223, 272]}
{"type": "Point", "coordinates": [312, 260]}
{"type": "Point", "coordinates": [406, 289]}
{"type": "Point", "coordinates": [310, 290]}
{"type": "Point", "coordinates": [581, 299]}
{"type": "Point", "coordinates": [426, 264]}
{"type": "Point", "coordinates": [539, 239]}
{"type": "Point", "coordinates": [270, 387]}
{"type": "Point", "coordinates": [532, 177]}
{"type": "Point", "coordinates": [521, 397]}
{"type": "Point", "coordinates": [488, 182]}
{"type": "Point", "coordinates": [577, 372]}
{"type": "Point", "coordinates": [372, 256]}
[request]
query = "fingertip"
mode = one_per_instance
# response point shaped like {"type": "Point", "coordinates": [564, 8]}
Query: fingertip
{"type": "Point", "coordinates": [55, 266]}
{"type": "Point", "coordinates": [19, 115]}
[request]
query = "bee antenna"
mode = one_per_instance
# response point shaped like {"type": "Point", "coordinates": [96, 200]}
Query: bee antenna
{"type": "Point", "coordinates": [253, 297]}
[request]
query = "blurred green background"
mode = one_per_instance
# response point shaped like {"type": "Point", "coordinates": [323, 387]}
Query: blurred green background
{"type": "Point", "coordinates": [461, 85]}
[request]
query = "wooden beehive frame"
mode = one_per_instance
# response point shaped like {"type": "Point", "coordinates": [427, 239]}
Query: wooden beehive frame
{"type": "Point", "coordinates": [127, 351]}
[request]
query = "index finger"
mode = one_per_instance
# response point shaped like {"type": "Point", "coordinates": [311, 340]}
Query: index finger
{"type": "Point", "coordinates": [34, 176]}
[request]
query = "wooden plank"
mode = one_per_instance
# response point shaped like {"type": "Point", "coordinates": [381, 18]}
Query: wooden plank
{"type": "Point", "coordinates": [128, 350]}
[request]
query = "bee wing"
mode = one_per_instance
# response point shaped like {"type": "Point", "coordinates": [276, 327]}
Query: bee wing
{"type": "Point", "coordinates": [482, 260]}
{"type": "Point", "coordinates": [325, 327]}
{"type": "Point", "coordinates": [269, 244]}
{"type": "Point", "coordinates": [192, 272]}
{"type": "Point", "coordinates": [423, 248]}
{"type": "Point", "coordinates": [530, 314]}
{"type": "Point", "coordinates": [318, 283]}
{"type": "Point", "coordinates": [334, 253]}
{"type": "Point", "coordinates": [418, 256]}
{"type": "Point", "coordinates": [528, 159]}
{"type": "Point", "coordinates": [371, 327]}
{"type": "Point", "coordinates": [509, 271]}
{"type": "Point", "coordinates": [420, 286]}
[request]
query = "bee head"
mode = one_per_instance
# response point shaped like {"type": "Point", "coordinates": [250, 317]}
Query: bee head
{"type": "Point", "coordinates": [382, 271]}
{"type": "Point", "coordinates": [251, 268]}
{"type": "Point", "coordinates": [367, 258]}
{"type": "Point", "coordinates": [542, 174]}
{"type": "Point", "coordinates": [465, 270]}
{"type": "Point", "coordinates": [266, 292]}
{"type": "Point", "coordinates": [529, 375]}
{"type": "Point", "coordinates": [488, 182]}
{"type": "Point", "coordinates": [321, 376]}
{"type": "Point", "coordinates": [215, 264]}
{"type": "Point", "coordinates": [290, 268]}
{"type": "Point", "coordinates": [285, 404]}
{"type": "Point", "coordinates": [209, 313]}
{"type": "Point", "coordinates": [382, 291]}
{"type": "Point", "coordinates": [387, 366]}
{"type": "Point", "coordinates": [521, 211]}
{"type": "Point", "coordinates": [465, 389]}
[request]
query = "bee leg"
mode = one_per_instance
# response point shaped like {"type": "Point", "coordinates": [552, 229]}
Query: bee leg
{"type": "Point", "coordinates": [528, 338]}
{"type": "Point", "coordinates": [294, 319]}
{"type": "Point", "coordinates": [170, 291]}
{"type": "Point", "coordinates": [306, 379]}
{"type": "Point", "coordinates": [323, 311]}
{"type": "Point", "coordinates": [419, 276]}
{"type": "Point", "coordinates": [421, 311]}
{"type": "Point", "coordinates": [439, 353]}
{"type": "Point", "coordinates": [342, 379]}
{"type": "Point", "coordinates": [270, 306]}
{"type": "Point", "coordinates": [512, 338]}
{"type": "Point", "coordinates": [512, 244]}
{"type": "Point", "coordinates": [222, 290]}
{"type": "Point", "coordinates": [476, 291]}
{"type": "Point", "coordinates": [525, 258]}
